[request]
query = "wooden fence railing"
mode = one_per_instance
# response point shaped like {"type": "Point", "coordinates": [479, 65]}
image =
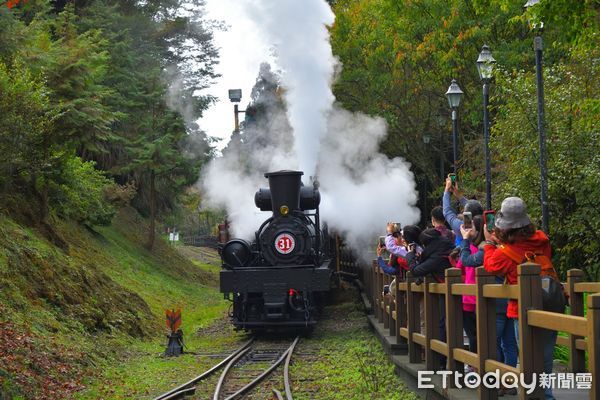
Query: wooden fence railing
{"type": "Point", "coordinates": [400, 313]}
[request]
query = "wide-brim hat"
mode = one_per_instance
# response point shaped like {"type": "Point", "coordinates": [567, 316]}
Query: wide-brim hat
{"type": "Point", "coordinates": [512, 214]}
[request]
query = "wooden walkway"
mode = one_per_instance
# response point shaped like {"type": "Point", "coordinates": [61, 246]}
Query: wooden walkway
{"type": "Point", "coordinates": [396, 319]}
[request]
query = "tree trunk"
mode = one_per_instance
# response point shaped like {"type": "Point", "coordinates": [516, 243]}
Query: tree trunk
{"type": "Point", "coordinates": [151, 233]}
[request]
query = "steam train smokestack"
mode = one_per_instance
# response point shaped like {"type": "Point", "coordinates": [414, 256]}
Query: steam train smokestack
{"type": "Point", "coordinates": [285, 191]}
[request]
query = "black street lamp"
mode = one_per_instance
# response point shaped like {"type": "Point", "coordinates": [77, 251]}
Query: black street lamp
{"type": "Point", "coordinates": [485, 66]}
{"type": "Point", "coordinates": [453, 94]}
{"type": "Point", "coordinates": [537, 25]}
{"type": "Point", "coordinates": [426, 141]}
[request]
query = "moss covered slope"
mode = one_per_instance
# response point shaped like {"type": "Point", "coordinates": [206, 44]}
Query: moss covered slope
{"type": "Point", "coordinates": [59, 306]}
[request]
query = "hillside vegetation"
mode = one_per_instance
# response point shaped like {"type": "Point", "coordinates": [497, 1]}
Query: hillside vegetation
{"type": "Point", "coordinates": [64, 312]}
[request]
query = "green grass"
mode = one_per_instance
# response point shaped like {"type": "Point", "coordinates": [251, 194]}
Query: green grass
{"type": "Point", "coordinates": [103, 297]}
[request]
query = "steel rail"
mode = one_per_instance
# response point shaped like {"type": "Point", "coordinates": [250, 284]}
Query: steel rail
{"type": "Point", "coordinates": [277, 394]}
{"type": "Point", "coordinates": [257, 380]}
{"type": "Point", "coordinates": [286, 371]}
{"type": "Point", "coordinates": [204, 375]}
{"type": "Point", "coordinates": [225, 371]}
{"type": "Point", "coordinates": [181, 393]}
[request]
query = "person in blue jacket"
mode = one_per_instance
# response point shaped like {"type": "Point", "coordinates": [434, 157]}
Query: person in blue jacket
{"type": "Point", "coordinates": [453, 219]}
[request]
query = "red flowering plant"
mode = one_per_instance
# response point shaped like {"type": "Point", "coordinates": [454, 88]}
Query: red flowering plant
{"type": "Point", "coordinates": [12, 3]}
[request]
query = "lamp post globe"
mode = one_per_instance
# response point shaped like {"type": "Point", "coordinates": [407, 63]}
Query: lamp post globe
{"type": "Point", "coordinates": [485, 63]}
{"type": "Point", "coordinates": [454, 94]}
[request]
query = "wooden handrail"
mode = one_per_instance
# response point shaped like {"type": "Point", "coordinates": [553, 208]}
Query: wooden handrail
{"type": "Point", "coordinates": [437, 288]}
{"type": "Point", "coordinates": [580, 344]}
{"type": "Point", "coordinates": [557, 322]}
{"type": "Point", "coordinates": [464, 289]}
{"type": "Point", "coordinates": [439, 347]}
{"type": "Point", "coordinates": [400, 312]}
{"type": "Point", "coordinates": [587, 287]}
{"type": "Point", "coordinates": [416, 288]}
{"type": "Point", "coordinates": [466, 356]}
{"type": "Point", "coordinates": [492, 365]}
{"type": "Point", "coordinates": [499, 291]}
{"type": "Point", "coordinates": [419, 338]}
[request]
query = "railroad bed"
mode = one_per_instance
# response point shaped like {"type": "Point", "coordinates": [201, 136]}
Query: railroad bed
{"type": "Point", "coordinates": [323, 365]}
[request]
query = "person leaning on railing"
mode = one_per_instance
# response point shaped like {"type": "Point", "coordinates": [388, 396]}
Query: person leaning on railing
{"type": "Point", "coordinates": [397, 266]}
{"type": "Point", "coordinates": [433, 261]}
{"type": "Point", "coordinates": [514, 230]}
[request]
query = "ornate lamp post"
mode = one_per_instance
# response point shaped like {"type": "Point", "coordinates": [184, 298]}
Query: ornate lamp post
{"type": "Point", "coordinates": [453, 94]}
{"type": "Point", "coordinates": [536, 25]}
{"type": "Point", "coordinates": [485, 66]}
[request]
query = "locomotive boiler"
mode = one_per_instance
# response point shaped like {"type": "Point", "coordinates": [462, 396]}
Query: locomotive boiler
{"type": "Point", "coordinates": [278, 280]}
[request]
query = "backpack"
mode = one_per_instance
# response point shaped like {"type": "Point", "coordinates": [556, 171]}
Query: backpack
{"type": "Point", "coordinates": [553, 292]}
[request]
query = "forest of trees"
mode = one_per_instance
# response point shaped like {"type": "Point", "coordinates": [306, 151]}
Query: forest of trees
{"type": "Point", "coordinates": [97, 101]}
{"type": "Point", "coordinates": [399, 58]}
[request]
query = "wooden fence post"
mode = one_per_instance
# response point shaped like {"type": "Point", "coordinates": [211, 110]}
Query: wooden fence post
{"type": "Point", "coordinates": [414, 321]}
{"type": "Point", "coordinates": [531, 354]}
{"type": "Point", "coordinates": [392, 302]}
{"type": "Point", "coordinates": [486, 329]}
{"type": "Point", "coordinates": [379, 289]}
{"type": "Point", "coordinates": [454, 324]}
{"type": "Point", "coordinates": [576, 357]}
{"type": "Point", "coordinates": [374, 284]}
{"type": "Point", "coordinates": [593, 317]}
{"type": "Point", "coordinates": [401, 313]}
{"type": "Point", "coordinates": [432, 323]}
{"type": "Point", "coordinates": [386, 302]}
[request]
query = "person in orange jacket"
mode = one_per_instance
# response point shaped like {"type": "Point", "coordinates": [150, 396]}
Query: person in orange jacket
{"type": "Point", "coordinates": [513, 229]}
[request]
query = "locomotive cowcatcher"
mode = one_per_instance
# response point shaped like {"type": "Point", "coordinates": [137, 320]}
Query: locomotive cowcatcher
{"type": "Point", "coordinates": [279, 279]}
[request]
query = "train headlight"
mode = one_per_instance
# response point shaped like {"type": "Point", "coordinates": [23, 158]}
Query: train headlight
{"type": "Point", "coordinates": [284, 210]}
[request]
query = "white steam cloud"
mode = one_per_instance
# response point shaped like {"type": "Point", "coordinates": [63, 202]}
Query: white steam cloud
{"type": "Point", "coordinates": [361, 189]}
{"type": "Point", "coordinates": [298, 32]}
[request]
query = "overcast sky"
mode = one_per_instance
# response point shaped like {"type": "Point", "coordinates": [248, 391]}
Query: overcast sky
{"type": "Point", "coordinates": [241, 51]}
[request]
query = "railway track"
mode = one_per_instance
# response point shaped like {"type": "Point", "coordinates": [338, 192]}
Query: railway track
{"type": "Point", "coordinates": [242, 371]}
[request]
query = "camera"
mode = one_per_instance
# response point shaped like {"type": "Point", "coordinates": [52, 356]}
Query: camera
{"type": "Point", "coordinates": [381, 241]}
{"type": "Point", "coordinates": [468, 219]}
{"type": "Point", "coordinates": [452, 177]}
{"type": "Point", "coordinates": [489, 217]}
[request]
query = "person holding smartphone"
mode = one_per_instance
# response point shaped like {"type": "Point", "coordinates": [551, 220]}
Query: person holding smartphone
{"type": "Point", "coordinates": [513, 229]}
{"type": "Point", "coordinates": [395, 241]}
{"type": "Point", "coordinates": [472, 206]}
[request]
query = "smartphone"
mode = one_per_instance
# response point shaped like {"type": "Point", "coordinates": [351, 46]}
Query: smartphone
{"type": "Point", "coordinates": [452, 178]}
{"type": "Point", "coordinates": [381, 241]}
{"type": "Point", "coordinates": [468, 219]}
{"type": "Point", "coordinates": [489, 217]}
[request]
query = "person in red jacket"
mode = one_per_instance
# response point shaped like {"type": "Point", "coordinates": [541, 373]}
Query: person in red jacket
{"type": "Point", "coordinates": [513, 228]}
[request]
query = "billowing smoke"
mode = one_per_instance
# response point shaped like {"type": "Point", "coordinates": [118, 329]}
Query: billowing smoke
{"type": "Point", "coordinates": [361, 189]}
{"type": "Point", "coordinates": [298, 32]}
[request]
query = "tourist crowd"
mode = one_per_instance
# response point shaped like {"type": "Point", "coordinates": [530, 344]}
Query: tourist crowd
{"type": "Point", "coordinates": [498, 241]}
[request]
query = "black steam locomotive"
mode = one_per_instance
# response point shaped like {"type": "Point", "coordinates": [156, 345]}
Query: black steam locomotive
{"type": "Point", "coordinates": [278, 280]}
